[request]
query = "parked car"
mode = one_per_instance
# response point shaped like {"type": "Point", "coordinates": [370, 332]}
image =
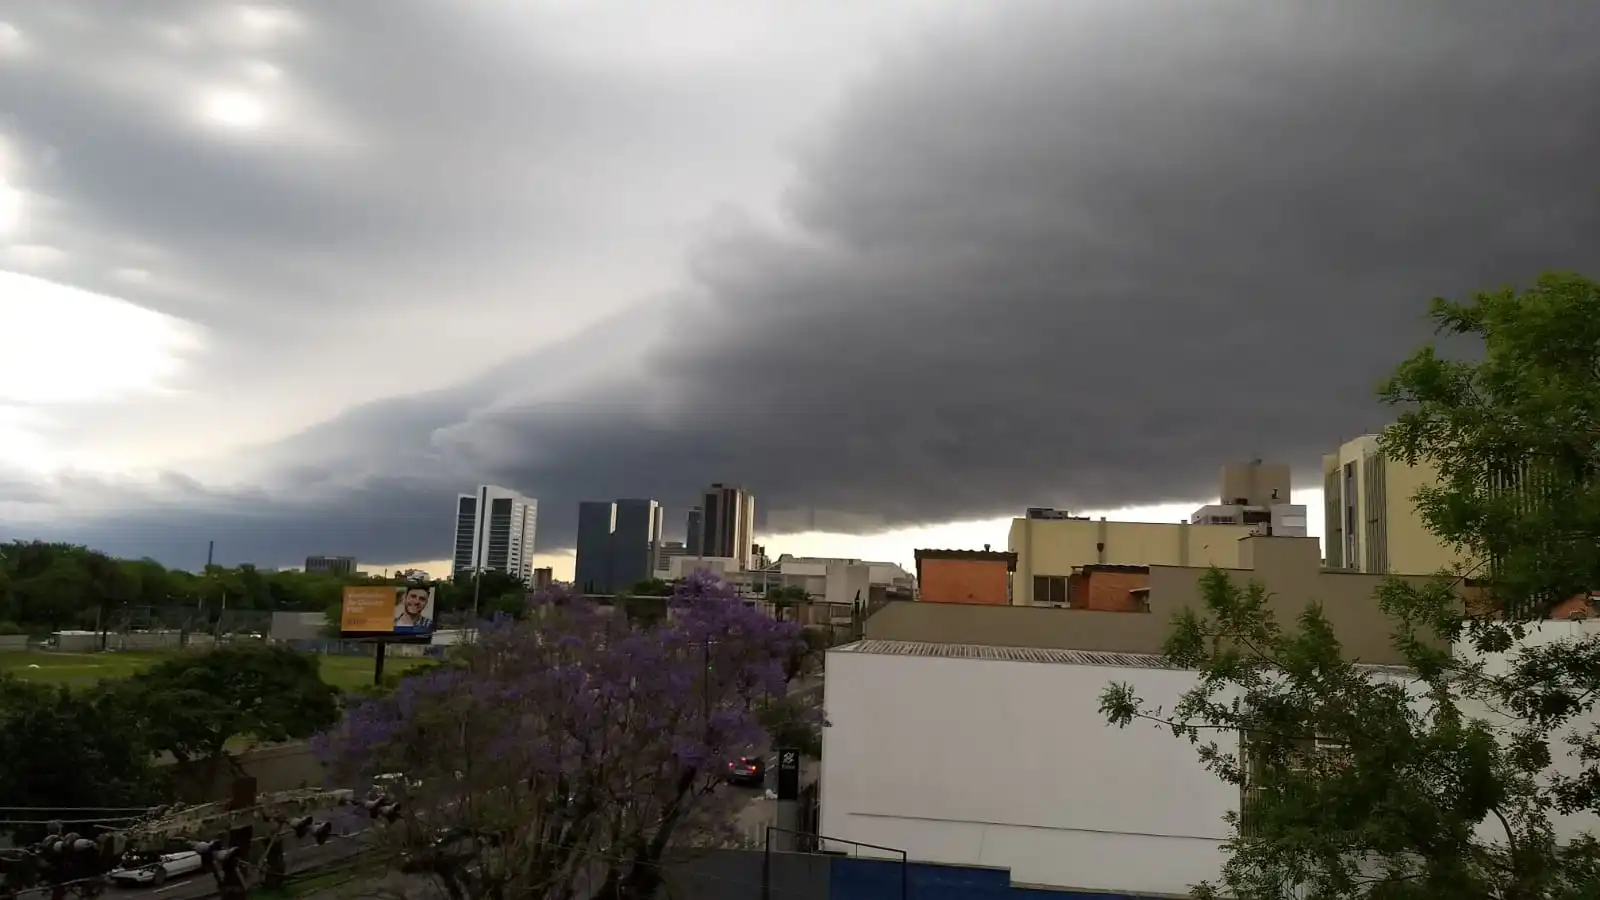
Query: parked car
{"type": "Point", "coordinates": [749, 771]}
{"type": "Point", "coordinates": [154, 868]}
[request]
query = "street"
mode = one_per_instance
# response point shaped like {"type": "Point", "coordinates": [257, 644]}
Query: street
{"type": "Point", "coordinates": [760, 812]}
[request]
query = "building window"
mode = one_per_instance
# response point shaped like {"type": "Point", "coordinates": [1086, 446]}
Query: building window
{"type": "Point", "coordinates": [1049, 589]}
{"type": "Point", "coordinates": [1306, 755]}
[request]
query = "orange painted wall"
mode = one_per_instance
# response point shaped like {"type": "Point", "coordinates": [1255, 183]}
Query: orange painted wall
{"type": "Point", "coordinates": [965, 581]}
{"type": "Point", "coordinates": [1107, 591]}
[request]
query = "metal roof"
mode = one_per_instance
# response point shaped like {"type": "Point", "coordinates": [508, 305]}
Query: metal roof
{"type": "Point", "coordinates": [1007, 654]}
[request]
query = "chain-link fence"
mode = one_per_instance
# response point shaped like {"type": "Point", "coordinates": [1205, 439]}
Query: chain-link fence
{"type": "Point", "coordinates": [189, 619]}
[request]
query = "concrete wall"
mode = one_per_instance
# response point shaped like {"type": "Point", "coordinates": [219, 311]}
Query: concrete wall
{"type": "Point", "coordinates": [88, 641]}
{"type": "Point", "coordinates": [279, 767]}
{"type": "Point", "coordinates": [13, 642]}
{"type": "Point", "coordinates": [1058, 546]}
{"type": "Point", "coordinates": [1010, 764]}
{"type": "Point", "coordinates": [1288, 567]}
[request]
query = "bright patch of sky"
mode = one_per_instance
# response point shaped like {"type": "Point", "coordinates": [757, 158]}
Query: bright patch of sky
{"type": "Point", "coordinates": [59, 344]}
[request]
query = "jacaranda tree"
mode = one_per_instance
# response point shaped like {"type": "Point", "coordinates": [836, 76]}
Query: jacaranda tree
{"type": "Point", "coordinates": [571, 753]}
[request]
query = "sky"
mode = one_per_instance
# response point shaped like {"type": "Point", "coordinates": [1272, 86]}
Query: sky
{"type": "Point", "coordinates": [288, 277]}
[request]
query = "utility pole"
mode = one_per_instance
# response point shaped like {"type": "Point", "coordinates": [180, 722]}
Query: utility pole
{"type": "Point", "coordinates": [477, 585]}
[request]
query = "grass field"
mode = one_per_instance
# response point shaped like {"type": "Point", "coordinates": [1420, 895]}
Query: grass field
{"type": "Point", "coordinates": [84, 669]}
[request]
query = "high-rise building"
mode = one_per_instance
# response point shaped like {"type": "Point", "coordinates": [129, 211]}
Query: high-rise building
{"type": "Point", "coordinates": [635, 542]}
{"type": "Point", "coordinates": [694, 531]}
{"type": "Point", "coordinates": [331, 565]}
{"type": "Point", "coordinates": [618, 544]}
{"type": "Point", "coordinates": [495, 530]}
{"type": "Point", "coordinates": [1370, 514]}
{"type": "Point", "coordinates": [543, 577]}
{"type": "Point", "coordinates": [728, 526]}
{"type": "Point", "coordinates": [597, 519]}
{"type": "Point", "coordinates": [669, 551]}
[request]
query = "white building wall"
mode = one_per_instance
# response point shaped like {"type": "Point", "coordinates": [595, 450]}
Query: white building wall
{"type": "Point", "coordinates": [1540, 634]}
{"type": "Point", "coordinates": [998, 763]}
{"type": "Point", "coordinates": [844, 582]}
{"type": "Point", "coordinates": [682, 566]}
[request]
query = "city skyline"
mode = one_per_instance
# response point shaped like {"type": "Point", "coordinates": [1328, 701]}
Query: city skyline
{"type": "Point", "coordinates": [897, 546]}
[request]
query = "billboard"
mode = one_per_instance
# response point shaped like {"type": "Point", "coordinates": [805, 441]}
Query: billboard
{"type": "Point", "coordinates": [401, 612]}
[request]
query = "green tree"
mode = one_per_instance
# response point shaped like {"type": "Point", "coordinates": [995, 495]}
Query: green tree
{"type": "Point", "coordinates": [1358, 782]}
{"type": "Point", "coordinates": [192, 705]}
{"type": "Point", "coordinates": [785, 599]}
{"type": "Point", "coordinates": [1515, 436]}
{"type": "Point", "coordinates": [62, 750]}
{"type": "Point", "coordinates": [651, 587]}
{"type": "Point", "coordinates": [1367, 783]}
{"type": "Point", "coordinates": [792, 721]}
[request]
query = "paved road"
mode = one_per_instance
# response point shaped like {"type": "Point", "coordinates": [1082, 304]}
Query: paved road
{"type": "Point", "coordinates": [349, 824]}
{"type": "Point", "coordinates": [753, 819]}
{"type": "Point", "coordinates": [760, 811]}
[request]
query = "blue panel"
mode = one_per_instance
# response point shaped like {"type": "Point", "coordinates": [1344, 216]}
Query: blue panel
{"type": "Point", "coordinates": [853, 878]}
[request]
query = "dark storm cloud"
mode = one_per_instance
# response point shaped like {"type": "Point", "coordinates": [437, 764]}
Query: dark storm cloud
{"type": "Point", "coordinates": [1070, 254]}
{"type": "Point", "coordinates": [337, 198]}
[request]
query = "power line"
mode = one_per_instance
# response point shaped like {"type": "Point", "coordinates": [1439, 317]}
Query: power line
{"type": "Point", "coordinates": [70, 821]}
{"type": "Point", "coordinates": [49, 809]}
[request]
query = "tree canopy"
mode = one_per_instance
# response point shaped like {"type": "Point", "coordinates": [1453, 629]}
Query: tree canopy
{"type": "Point", "coordinates": [47, 587]}
{"type": "Point", "coordinates": [1436, 780]}
{"type": "Point", "coordinates": [62, 750]}
{"type": "Point", "coordinates": [577, 747]}
{"type": "Point", "coordinates": [192, 704]}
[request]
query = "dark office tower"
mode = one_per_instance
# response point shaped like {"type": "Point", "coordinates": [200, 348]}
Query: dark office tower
{"type": "Point", "coordinates": [728, 524]}
{"type": "Point", "coordinates": [696, 526]}
{"type": "Point", "coordinates": [596, 521]}
{"type": "Point", "coordinates": [635, 541]}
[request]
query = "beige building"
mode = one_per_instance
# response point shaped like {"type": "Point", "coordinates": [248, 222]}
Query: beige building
{"type": "Point", "coordinates": [1052, 547]}
{"type": "Point", "coordinates": [1255, 493]}
{"type": "Point", "coordinates": [1290, 568]}
{"type": "Point", "coordinates": [1255, 483]}
{"type": "Point", "coordinates": [1371, 521]}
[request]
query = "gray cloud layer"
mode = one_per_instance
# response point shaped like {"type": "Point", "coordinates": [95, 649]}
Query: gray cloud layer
{"type": "Point", "coordinates": [1064, 253]}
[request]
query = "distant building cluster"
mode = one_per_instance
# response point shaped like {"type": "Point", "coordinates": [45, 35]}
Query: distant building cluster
{"type": "Point", "coordinates": [1008, 651]}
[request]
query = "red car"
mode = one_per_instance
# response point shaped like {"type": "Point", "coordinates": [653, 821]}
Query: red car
{"type": "Point", "coordinates": [749, 771]}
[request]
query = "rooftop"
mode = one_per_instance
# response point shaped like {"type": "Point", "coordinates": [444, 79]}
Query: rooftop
{"type": "Point", "coordinates": [1006, 654]}
{"type": "Point", "coordinates": [1039, 655]}
{"type": "Point", "coordinates": [984, 555]}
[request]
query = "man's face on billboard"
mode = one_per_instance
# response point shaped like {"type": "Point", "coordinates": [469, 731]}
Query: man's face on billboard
{"type": "Point", "coordinates": [416, 601]}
